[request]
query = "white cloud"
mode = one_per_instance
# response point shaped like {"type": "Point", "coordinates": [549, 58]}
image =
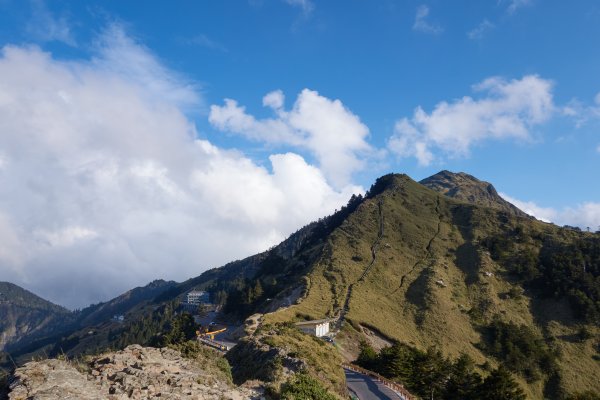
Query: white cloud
{"type": "Point", "coordinates": [507, 110]}
{"type": "Point", "coordinates": [306, 6]}
{"type": "Point", "coordinates": [581, 112]}
{"type": "Point", "coordinates": [204, 41]}
{"type": "Point", "coordinates": [331, 132]}
{"type": "Point", "coordinates": [104, 184]}
{"type": "Point", "coordinates": [275, 100]}
{"type": "Point", "coordinates": [120, 55]}
{"type": "Point", "coordinates": [421, 23]}
{"type": "Point", "coordinates": [546, 214]}
{"type": "Point", "coordinates": [514, 5]}
{"type": "Point", "coordinates": [583, 215]}
{"type": "Point", "coordinates": [598, 148]}
{"type": "Point", "coordinates": [479, 32]}
{"type": "Point", "coordinates": [46, 27]}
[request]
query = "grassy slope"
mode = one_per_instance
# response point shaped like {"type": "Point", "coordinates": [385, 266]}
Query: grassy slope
{"type": "Point", "coordinates": [427, 238]}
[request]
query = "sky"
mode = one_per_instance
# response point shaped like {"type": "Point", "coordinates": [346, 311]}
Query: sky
{"type": "Point", "coordinates": [152, 141]}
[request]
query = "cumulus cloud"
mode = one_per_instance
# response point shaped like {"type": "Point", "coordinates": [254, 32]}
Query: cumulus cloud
{"type": "Point", "coordinates": [104, 184]}
{"type": "Point", "coordinates": [422, 24]}
{"type": "Point", "coordinates": [332, 133]}
{"type": "Point", "coordinates": [583, 215]}
{"type": "Point", "coordinates": [506, 110]}
{"type": "Point", "coordinates": [479, 32]}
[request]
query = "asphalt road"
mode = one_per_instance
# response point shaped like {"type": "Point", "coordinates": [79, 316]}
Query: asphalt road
{"type": "Point", "coordinates": [367, 388]}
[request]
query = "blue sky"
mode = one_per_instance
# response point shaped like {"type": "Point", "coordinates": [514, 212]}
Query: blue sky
{"type": "Point", "coordinates": [328, 95]}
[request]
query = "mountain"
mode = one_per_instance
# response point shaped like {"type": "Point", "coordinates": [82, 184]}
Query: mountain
{"type": "Point", "coordinates": [31, 325]}
{"type": "Point", "coordinates": [123, 303]}
{"type": "Point", "coordinates": [26, 315]}
{"type": "Point", "coordinates": [467, 188]}
{"type": "Point", "coordinates": [441, 270]}
{"type": "Point", "coordinates": [466, 273]}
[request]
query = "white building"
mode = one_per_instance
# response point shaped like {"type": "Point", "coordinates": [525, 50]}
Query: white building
{"type": "Point", "coordinates": [197, 297]}
{"type": "Point", "coordinates": [319, 327]}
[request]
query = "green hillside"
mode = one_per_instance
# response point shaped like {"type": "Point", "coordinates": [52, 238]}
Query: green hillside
{"type": "Point", "coordinates": [23, 314]}
{"type": "Point", "coordinates": [447, 272]}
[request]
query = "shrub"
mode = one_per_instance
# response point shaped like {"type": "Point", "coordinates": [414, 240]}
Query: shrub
{"type": "Point", "coordinates": [304, 387]}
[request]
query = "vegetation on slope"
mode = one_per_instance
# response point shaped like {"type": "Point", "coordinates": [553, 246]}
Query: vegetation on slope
{"type": "Point", "coordinates": [521, 349]}
{"type": "Point", "coordinates": [429, 374]}
{"type": "Point", "coordinates": [554, 264]}
{"type": "Point", "coordinates": [26, 315]}
{"type": "Point", "coordinates": [278, 353]}
{"type": "Point", "coordinates": [417, 267]}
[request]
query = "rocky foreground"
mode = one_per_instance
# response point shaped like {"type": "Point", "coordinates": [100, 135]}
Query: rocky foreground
{"type": "Point", "coordinates": [134, 373]}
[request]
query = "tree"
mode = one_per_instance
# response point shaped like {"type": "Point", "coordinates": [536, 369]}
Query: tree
{"type": "Point", "coordinates": [304, 387]}
{"type": "Point", "coordinates": [500, 385]}
{"type": "Point", "coordinates": [183, 328]}
{"type": "Point", "coordinates": [367, 358]}
{"type": "Point", "coordinates": [432, 373]}
{"type": "Point", "coordinates": [464, 381]}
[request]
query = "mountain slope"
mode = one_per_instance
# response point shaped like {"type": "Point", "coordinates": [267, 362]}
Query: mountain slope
{"type": "Point", "coordinates": [467, 188]}
{"type": "Point", "coordinates": [25, 314]}
{"type": "Point", "coordinates": [34, 326]}
{"type": "Point", "coordinates": [425, 269]}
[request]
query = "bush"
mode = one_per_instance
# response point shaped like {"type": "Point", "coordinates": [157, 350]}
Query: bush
{"type": "Point", "coordinates": [193, 350]}
{"type": "Point", "coordinates": [304, 387]}
{"type": "Point", "coordinates": [500, 385]}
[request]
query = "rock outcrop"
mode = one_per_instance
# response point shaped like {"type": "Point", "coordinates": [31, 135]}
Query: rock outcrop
{"type": "Point", "coordinates": [134, 373]}
{"type": "Point", "coordinates": [467, 188]}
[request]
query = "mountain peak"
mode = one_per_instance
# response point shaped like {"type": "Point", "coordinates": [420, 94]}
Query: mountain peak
{"type": "Point", "coordinates": [467, 188]}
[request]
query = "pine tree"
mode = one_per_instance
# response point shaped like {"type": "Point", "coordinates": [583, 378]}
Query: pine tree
{"type": "Point", "coordinates": [500, 385]}
{"type": "Point", "coordinates": [367, 358]}
{"type": "Point", "coordinates": [464, 381]}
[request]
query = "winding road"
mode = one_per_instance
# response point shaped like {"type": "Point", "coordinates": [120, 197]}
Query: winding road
{"type": "Point", "coordinates": [366, 388]}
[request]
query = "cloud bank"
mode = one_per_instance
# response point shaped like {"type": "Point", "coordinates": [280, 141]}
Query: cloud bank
{"type": "Point", "coordinates": [507, 110]}
{"type": "Point", "coordinates": [104, 184]}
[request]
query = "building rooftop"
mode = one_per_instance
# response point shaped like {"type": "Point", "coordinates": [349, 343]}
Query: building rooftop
{"type": "Point", "coordinates": [313, 322]}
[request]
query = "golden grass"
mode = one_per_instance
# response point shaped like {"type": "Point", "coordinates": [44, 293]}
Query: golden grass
{"type": "Point", "coordinates": [428, 239]}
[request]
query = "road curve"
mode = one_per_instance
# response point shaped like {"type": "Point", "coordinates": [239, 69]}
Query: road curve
{"type": "Point", "coordinates": [367, 388]}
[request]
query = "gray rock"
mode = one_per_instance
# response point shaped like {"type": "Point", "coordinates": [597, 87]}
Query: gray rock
{"type": "Point", "coordinates": [134, 373]}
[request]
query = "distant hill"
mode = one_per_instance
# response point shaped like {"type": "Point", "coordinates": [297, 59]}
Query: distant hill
{"type": "Point", "coordinates": [30, 323]}
{"type": "Point", "coordinates": [25, 314]}
{"type": "Point", "coordinates": [467, 188]}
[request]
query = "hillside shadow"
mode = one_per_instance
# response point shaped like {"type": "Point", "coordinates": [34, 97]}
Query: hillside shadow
{"type": "Point", "coordinates": [462, 216]}
{"type": "Point", "coordinates": [467, 259]}
{"type": "Point", "coordinates": [418, 294]}
{"type": "Point", "coordinates": [546, 310]}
